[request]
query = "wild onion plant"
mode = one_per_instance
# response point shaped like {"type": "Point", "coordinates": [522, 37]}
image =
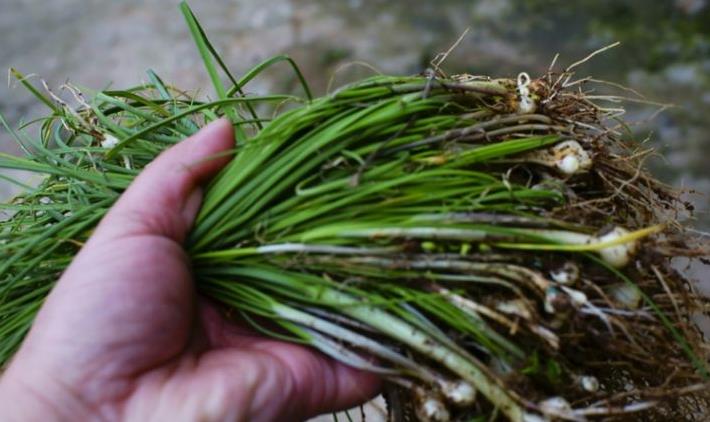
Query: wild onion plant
{"type": "Point", "coordinates": [492, 247]}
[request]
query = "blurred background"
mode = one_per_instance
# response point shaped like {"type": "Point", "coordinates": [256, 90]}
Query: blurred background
{"type": "Point", "coordinates": [664, 53]}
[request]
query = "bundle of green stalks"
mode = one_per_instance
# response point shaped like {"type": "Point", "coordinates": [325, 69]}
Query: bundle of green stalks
{"type": "Point", "coordinates": [492, 247]}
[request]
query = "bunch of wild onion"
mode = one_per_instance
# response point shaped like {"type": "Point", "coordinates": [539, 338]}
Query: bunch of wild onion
{"type": "Point", "coordinates": [478, 237]}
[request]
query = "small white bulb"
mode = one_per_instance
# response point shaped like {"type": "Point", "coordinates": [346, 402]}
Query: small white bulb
{"type": "Point", "coordinates": [568, 165]}
{"type": "Point", "coordinates": [432, 410]}
{"type": "Point", "coordinates": [459, 393]}
{"type": "Point", "coordinates": [589, 383]}
{"type": "Point", "coordinates": [617, 256]}
{"type": "Point", "coordinates": [555, 406]}
{"type": "Point", "coordinates": [570, 158]}
{"type": "Point", "coordinates": [526, 105]}
{"type": "Point", "coordinates": [531, 417]}
{"type": "Point", "coordinates": [109, 141]}
{"type": "Point", "coordinates": [551, 296]}
{"type": "Point", "coordinates": [627, 295]}
{"type": "Point", "coordinates": [567, 274]}
{"type": "Point", "coordinates": [578, 298]}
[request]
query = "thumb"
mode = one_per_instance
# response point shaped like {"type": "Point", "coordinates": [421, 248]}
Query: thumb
{"type": "Point", "coordinates": [164, 199]}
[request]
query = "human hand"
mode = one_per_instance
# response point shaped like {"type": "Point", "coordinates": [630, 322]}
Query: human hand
{"type": "Point", "coordinates": [123, 335]}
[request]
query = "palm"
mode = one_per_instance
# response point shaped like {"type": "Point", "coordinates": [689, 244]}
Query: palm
{"type": "Point", "coordinates": [129, 337]}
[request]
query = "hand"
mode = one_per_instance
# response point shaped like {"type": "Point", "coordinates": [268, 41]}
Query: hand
{"type": "Point", "coordinates": [123, 334]}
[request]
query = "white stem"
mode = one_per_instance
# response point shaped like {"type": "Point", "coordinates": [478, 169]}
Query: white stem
{"type": "Point", "coordinates": [616, 248]}
{"type": "Point", "coordinates": [469, 369]}
{"type": "Point", "coordinates": [337, 331]}
{"type": "Point", "coordinates": [324, 249]}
